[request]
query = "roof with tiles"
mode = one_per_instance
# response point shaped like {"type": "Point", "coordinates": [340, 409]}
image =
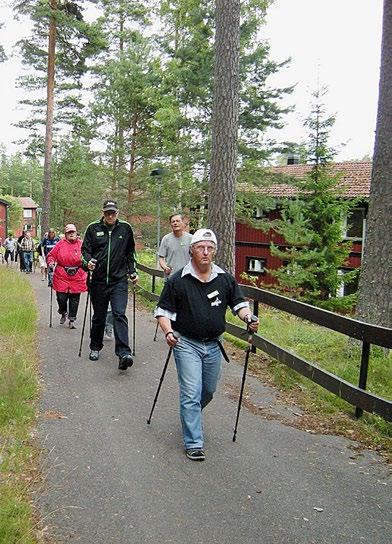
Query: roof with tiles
{"type": "Point", "coordinates": [354, 179]}
{"type": "Point", "coordinates": [27, 203]}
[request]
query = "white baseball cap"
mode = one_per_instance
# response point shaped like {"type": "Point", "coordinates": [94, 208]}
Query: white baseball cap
{"type": "Point", "coordinates": [203, 235]}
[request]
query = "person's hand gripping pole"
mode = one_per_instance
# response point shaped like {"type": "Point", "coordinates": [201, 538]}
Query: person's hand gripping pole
{"type": "Point", "coordinates": [251, 328]}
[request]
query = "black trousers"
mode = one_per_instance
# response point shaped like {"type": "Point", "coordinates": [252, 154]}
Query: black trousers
{"type": "Point", "coordinates": [68, 304]}
{"type": "Point", "coordinates": [117, 295]}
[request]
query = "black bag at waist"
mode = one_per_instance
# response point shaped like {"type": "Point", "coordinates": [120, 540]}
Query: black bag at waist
{"type": "Point", "coordinates": [71, 270]}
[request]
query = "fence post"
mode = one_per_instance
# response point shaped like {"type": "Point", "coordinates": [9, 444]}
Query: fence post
{"type": "Point", "coordinates": [256, 313]}
{"type": "Point", "coordinates": [363, 372]}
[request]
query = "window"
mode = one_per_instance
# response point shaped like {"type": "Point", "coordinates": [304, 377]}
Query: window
{"type": "Point", "coordinates": [349, 288]}
{"type": "Point", "coordinates": [255, 265]}
{"type": "Point", "coordinates": [259, 213]}
{"type": "Point", "coordinates": [27, 213]}
{"type": "Point", "coordinates": [354, 225]}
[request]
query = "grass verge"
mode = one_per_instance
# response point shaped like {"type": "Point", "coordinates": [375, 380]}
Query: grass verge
{"type": "Point", "coordinates": [18, 393]}
{"type": "Point", "coordinates": [324, 412]}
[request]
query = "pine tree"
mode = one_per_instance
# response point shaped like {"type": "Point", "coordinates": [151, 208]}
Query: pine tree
{"type": "Point", "coordinates": [375, 284]}
{"type": "Point", "coordinates": [222, 194]}
{"type": "Point", "coordinates": [57, 51]}
{"type": "Point", "coordinates": [311, 224]}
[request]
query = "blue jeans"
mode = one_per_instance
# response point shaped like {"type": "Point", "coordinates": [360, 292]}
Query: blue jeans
{"type": "Point", "coordinates": [198, 369]}
{"type": "Point", "coordinates": [117, 295]}
{"type": "Point", "coordinates": [28, 260]}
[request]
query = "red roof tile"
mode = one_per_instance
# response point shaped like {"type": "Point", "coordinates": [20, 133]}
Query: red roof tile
{"type": "Point", "coordinates": [354, 179]}
{"type": "Point", "coordinates": [27, 203]}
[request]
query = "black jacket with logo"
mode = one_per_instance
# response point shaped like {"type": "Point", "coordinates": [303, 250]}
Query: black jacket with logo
{"type": "Point", "coordinates": [114, 250]}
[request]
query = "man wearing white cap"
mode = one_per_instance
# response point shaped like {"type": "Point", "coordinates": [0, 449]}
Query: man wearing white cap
{"type": "Point", "coordinates": [191, 313]}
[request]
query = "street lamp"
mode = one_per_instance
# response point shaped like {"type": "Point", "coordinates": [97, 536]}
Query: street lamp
{"type": "Point", "coordinates": [39, 211]}
{"type": "Point", "coordinates": [158, 172]}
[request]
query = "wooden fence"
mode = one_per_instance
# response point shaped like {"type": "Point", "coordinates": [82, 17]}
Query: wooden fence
{"type": "Point", "coordinates": [366, 333]}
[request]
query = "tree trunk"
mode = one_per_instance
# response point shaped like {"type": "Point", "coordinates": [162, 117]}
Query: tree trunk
{"type": "Point", "coordinates": [49, 118]}
{"type": "Point", "coordinates": [375, 286]}
{"type": "Point", "coordinates": [222, 189]}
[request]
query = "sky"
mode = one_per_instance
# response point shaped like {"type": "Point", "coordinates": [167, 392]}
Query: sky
{"type": "Point", "coordinates": [334, 42]}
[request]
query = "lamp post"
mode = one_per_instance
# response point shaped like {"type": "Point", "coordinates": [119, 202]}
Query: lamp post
{"type": "Point", "coordinates": [158, 172]}
{"type": "Point", "coordinates": [39, 211]}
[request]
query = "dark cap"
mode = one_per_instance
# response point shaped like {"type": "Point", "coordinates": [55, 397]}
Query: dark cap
{"type": "Point", "coordinates": [110, 205]}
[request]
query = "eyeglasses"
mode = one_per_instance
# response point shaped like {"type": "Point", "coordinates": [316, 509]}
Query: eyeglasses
{"type": "Point", "coordinates": [202, 249]}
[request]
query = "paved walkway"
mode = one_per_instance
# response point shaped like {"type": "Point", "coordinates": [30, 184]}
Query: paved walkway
{"type": "Point", "coordinates": [111, 478]}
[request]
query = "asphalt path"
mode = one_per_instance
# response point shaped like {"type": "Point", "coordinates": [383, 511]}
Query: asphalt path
{"type": "Point", "coordinates": [108, 477]}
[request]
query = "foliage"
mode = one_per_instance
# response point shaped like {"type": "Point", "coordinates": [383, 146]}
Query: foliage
{"type": "Point", "coordinates": [15, 213]}
{"type": "Point", "coordinates": [20, 176]}
{"type": "Point", "coordinates": [3, 56]}
{"type": "Point", "coordinates": [151, 96]}
{"type": "Point", "coordinates": [311, 224]}
{"type": "Point", "coordinates": [76, 178]}
{"type": "Point", "coordinates": [76, 42]}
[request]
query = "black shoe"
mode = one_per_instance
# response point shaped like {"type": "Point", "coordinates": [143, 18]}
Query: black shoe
{"type": "Point", "coordinates": [125, 362]}
{"type": "Point", "coordinates": [195, 454]}
{"type": "Point", "coordinates": [94, 355]}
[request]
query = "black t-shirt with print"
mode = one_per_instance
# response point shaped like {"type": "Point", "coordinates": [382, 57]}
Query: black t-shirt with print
{"type": "Point", "coordinates": [200, 307]}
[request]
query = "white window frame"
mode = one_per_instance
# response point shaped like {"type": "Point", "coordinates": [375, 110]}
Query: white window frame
{"type": "Point", "coordinates": [253, 270]}
{"type": "Point", "coordinates": [346, 221]}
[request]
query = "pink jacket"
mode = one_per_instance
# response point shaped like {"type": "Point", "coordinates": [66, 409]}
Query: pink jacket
{"type": "Point", "coordinates": [66, 254]}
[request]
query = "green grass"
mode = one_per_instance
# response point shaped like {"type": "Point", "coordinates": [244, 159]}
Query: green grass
{"type": "Point", "coordinates": [18, 393]}
{"type": "Point", "coordinates": [333, 352]}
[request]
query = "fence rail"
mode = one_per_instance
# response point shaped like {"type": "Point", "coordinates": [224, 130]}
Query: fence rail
{"type": "Point", "coordinates": [367, 333]}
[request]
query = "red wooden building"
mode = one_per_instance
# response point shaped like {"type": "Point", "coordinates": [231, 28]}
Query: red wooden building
{"type": "Point", "coordinates": [252, 244]}
{"type": "Point", "coordinates": [3, 219]}
{"type": "Point", "coordinates": [30, 216]}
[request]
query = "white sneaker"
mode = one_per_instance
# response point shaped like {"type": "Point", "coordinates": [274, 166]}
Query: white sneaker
{"type": "Point", "coordinates": [108, 334]}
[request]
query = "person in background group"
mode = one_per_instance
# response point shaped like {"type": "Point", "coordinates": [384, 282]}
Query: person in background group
{"type": "Point", "coordinates": [69, 278]}
{"type": "Point", "coordinates": [49, 241]}
{"type": "Point", "coordinates": [27, 248]}
{"type": "Point", "coordinates": [173, 251]}
{"type": "Point", "coordinates": [2, 252]}
{"type": "Point", "coordinates": [191, 313]}
{"type": "Point", "coordinates": [108, 251]}
{"type": "Point", "coordinates": [10, 249]}
{"type": "Point", "coordinates": [42, 262]}
{"type": "Point", "coordinates": [19, 252]}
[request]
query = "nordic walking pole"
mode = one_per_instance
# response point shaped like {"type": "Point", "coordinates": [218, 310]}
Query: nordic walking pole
{"type": "Point", "coordinates": [156, 332]}
{"type": "Point", "coordinates": [133, 321]}
{"type": "Point", "coordinates": [248, 350]}
{"type": "Point", "coordinates": [160, 384]}
{"type": "Point", "coordinates": [85, 309]}
{"type": "Point", "coordinates": [50, 282]}
{"type": "Point", "coordinates": [51, 307]}
{"type": "Point", "coordinates": [84, 320]}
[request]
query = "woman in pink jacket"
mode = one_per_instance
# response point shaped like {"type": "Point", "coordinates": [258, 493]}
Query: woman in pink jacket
{"type": "Point", "coordinates": [69, 279]}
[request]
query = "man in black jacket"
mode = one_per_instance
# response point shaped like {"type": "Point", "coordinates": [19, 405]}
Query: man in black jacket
{"type": "Point", "coordinates": [108, 251]}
